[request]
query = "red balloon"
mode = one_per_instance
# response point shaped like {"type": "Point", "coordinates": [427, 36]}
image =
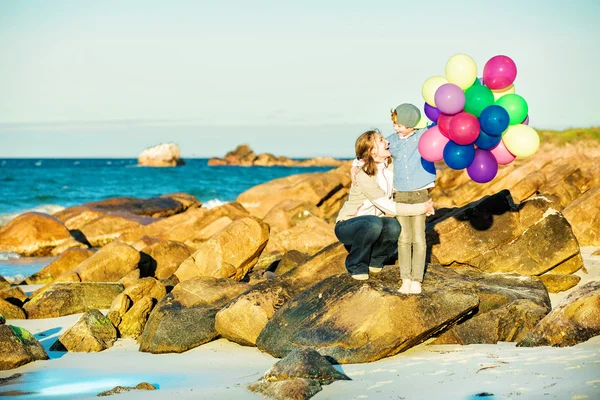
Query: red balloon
{"type": "Point", "coordinates": [443, 123]}
{"type": "Point", "coordinates": [464, 128]}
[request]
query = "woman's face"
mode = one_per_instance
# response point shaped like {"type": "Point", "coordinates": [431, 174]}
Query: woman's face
{"type": "Point", "coordinates": [380, 150]}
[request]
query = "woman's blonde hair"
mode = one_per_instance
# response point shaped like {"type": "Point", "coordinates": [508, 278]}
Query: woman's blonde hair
{"type": "Point", "coordinates": [363, 148]}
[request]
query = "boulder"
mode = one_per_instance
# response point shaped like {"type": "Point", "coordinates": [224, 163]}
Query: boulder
{"type": "Point", "coordinates": [111, 263]}
{"type": "Point", "coordinates": [18, 347]}
{"type": "Point", "coordinates": [133, 322]}
{"type": "Point", "coordinates": [287, 213]}
{"type": "Point", "coordinates": [315, 188]}
{"type": "Point", "coordinates": [575, 320]}
{"type": "Point", "coordinates": [11, 311]}
{"type": "Point", "coordinates": [35, 234]}
{"type": "Point", "coordinates": [185, 318]}
{"type": "Point", "coordinates": [65, 262]}
{"type": "Point", "coordinates": [72, 298]}
{"type": "Point", "coordinates": [192, 227]}
{"type": "Point", "coordinates": [308, 236]}
{"type": "Point", "coordinates": [14, 295]}
{"type": "Point", "coordinates": [93, 332]}
{"type": "Point", "coordinates": [104, 229]}
{"type": "Point", "coordinates": [290, 260]}
{"type": "Point", "coordinates": [162, 155]}
{"type": "Point", "coordinates": [127, 315]}
{"type": "Point", "coordinates": [229, 254]}
{"type": "Point", "coordinates": [124, 389]}
{"type": "Point", "coordinates": [495, 235]}
{"type": "Point", "coordinates": [243, 319]}
{"type": "Point", "coordinates": [297, 376]}
{"type": "Point", "coordinates": [353, 321]}
{"type": "Point", "coordinates": [584, 216]}
{"type": "Point", "coordinates": [556, 283]}
{"type": "Point", "coordinates": [509, 307]}
{"type": "Point", "coordinates": [161, 259]}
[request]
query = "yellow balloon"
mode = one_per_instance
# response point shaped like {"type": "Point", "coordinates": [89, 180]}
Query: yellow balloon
{"type": "Point", "coordinates": [503, 92]}
{"type": "Point", "coordinates": [422, 122]}
{"type": "Point", "coordinates": [461, 70]}
{"type": "Point", "coordinates": [430, 86]}
{"type": "Point", "coordinates": [521, 140]}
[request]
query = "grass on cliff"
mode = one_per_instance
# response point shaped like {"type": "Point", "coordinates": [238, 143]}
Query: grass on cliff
{"type": "Point", "coordinates": [572, 135]}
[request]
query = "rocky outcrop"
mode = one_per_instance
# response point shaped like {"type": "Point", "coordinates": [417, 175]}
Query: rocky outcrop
{"type": "Point", "coordinates": [18, 347]}
{"type": "Point", "coordinates": [353, 321]}
{"type": "Point", "coordinates": [93, 332]}
{"type": "Point", "coordinates": [244, 156]}
{"type": "Point", "coordinates": [36, 234]}
{"type": "Point", "coordinates": [162, 155]}
{"type": "Point", "coordinates": [154, 207]}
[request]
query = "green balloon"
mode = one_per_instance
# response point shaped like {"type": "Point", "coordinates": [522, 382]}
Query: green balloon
{"type": "Point", "coordinates": [516, 106]}
{"type": "Point", "coordinates": [478, 97]}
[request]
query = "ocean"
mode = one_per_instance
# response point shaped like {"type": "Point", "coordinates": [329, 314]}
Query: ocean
{"type": "Point", "coordinates": [49, 185]}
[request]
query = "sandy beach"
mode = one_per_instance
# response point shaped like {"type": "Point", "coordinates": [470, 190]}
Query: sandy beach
{"type": "Point", "coordinates": [222, 369]}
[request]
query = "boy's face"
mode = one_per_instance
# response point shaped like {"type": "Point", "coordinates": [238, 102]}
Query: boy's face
{"type": "Point", "coordinates": [402, 130]}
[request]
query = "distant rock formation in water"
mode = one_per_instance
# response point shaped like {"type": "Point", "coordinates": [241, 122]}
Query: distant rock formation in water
{"type": "Point", "coordinates": [244, 156]}
{"type": "Point", "coordinates": [163, 155]}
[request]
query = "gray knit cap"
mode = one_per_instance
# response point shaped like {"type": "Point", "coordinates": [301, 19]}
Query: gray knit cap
{"type": "Point", "coordinates": [407, 115]}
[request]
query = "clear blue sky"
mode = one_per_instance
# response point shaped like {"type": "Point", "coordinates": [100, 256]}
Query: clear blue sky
{"type": "Point", "coordinates": [295, 78]}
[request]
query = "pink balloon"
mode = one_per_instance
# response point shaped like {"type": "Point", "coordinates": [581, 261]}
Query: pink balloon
{"type": "Point", "coordinates": [443, 123]}
{"type": "Point", "coordinates": [526, 120]}
{"type": "Point", "coordinates": [503, 156]}
{"type": "Point", "coordinates": [449, 98]}
{"type": "Point", "coordinates": [499, 72]}
{"type": "Point", "coordinates": [432, 143]}
{"type": "Point", "coordinates": [464, 128]}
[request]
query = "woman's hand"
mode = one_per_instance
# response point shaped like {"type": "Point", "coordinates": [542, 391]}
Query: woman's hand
{"type": "Point", "coordinates": [429, 210]}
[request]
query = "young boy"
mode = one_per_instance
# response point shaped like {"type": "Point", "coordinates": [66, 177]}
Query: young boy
{"type": "Point", "coordinates": [411, 184]}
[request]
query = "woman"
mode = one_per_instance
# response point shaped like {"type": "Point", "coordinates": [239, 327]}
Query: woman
{"type": "Point", "coordinates": [366, 223]}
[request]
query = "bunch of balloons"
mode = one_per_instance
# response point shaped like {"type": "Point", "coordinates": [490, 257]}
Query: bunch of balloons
{"type": "Point", "coordinates": [478, 122]}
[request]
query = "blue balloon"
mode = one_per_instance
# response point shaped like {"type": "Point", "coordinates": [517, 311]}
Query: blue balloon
{"type": "Point", "coordinates": [494, 120]}
{"type": "Point", "coordinates": [486, 142]}
{"type": "Point", "coordinates": [428, 166]}
{"type": "Point", "coordinates": [458, 156]}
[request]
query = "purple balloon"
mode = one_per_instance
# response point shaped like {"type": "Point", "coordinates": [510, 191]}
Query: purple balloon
{"type": "Point", "coordinates": [484, 166]}
{"type": "Point", "coordinates": [433, 113]}
{"type": "Point", "coordinates": [525, 121]}
{"type": "Point", "coordinates": [449, 98]}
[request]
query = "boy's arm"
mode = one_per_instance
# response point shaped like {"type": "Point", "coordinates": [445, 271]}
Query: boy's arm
{"type": "Point", "coordinates": [356, 166]}
{"type": "Point", "coordinates": [372, 191]}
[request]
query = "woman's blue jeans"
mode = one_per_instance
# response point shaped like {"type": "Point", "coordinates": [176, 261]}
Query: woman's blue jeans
{"type": "Point", "coordinates": [370, 240]}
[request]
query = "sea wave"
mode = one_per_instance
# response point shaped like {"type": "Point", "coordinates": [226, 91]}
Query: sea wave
{"type": "Point", "coordinates": [213, 203]}
{"type": "Point", "coordinates": [46, 209]}
{"type": "Point", "coordinates": [9, 256]}
{"type": "Point", "coordinates": [15, 278]}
